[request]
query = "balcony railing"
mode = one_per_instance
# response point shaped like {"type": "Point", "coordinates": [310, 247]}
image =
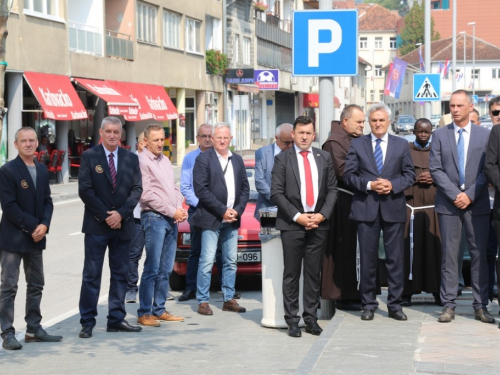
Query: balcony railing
{"type": "Point", "coordinates": [273, 33]}
{"type": "Point", "coordinates": [273, 55]}
{"type": "Point", "coordinates": [85, 38]}
{"type": "Point", "coordinates": [119, 45]}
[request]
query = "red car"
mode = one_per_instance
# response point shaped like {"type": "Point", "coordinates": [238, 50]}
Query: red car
{"type": "Point", "coordinates": [249, 245]}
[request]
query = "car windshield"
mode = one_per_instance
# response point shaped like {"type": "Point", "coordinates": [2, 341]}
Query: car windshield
{"type": "Point", "coordinates": [406, 120]}
{"type": "Point", "coordinates": [251, 182]}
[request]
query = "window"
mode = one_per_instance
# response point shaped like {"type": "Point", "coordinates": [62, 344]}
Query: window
{"type": "Point", "coordinates": [213, 33]}
{"type": "Point", "coordinates": [246, 51]}
{"type": "Point", "coordinates": [48, 7]}
{"type": "Point", "coordinates": [378, 43]}
{"type": "Point", "coordinates": [146, 22]}
{"type": "Point", "coordinates": [372, 99]}
{"type": "Point", "coordinates": [193, 35]}
{"type": "Point", "coordinates": [474, 74]}
{"type": "Point", "coordinates": [171, 29]}
{"type": "Point", "coordinates": [378, 70]}
{"type": "Point", "coordinates": [190, 121]}
{"type": "Point", "coordinates": [363, 43]}
{"type": "Point", "coordinates": [236, 51]}
{"type": "Point", "coordinates": [392, 43]}
{"type": "Point", "coordinates": [381, 95]}
{"type": "Point", "coordinates": [495, 73]}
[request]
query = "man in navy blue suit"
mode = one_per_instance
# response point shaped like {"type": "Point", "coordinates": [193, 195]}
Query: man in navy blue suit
{"type": "Point", "coordinates": [27, 211]}
{"type": "Point", "coordinates": [379, 168]}
{"type": "Point", "coordinates": [221, 186]}
{"type": "Point", "coordinates": [110, 186]}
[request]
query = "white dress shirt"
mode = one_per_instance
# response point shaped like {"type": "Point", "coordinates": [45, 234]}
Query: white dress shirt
{"type": "Point", "coordinates": [466, 136]}
{"type": "Point", "coordinates": [228, 177]}
{"type": "Point", "coordinates": [302, 174]}
{"type": "Point", "coordinates": [383, 146]}
{"type": "Point", "coordinates": [115, 156]}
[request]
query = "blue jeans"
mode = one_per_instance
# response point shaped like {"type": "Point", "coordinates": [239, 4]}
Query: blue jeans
{"type": "Point", "coordinates": [229, 245]}
{"type": "Point", "coordinates": [160, 235]}
{"type": "Point", "coordinates": [136, 247]}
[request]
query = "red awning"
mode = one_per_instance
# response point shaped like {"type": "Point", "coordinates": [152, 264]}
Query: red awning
{"type": "Point", "coordinates": [107, 92]}
{"type": "Point", "coordinates": [312, 101]}
{"type": "Point", "coordinates": [56, 95]}
{"type": "Point", "coordinates": [153, 102]}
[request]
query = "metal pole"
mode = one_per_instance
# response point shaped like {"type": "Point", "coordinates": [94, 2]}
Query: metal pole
{"type": "Point", "coordinates": [465, 55]}
{"type": "Point", "coordinates": [473, 75]}
{"type": "Point", "coordinates": [428, 105]}
{"type": "Point", "coordinates": [454, 48]}
{"type": "Point", "coordinates": [224, 49]}
{"type": "Point", "coordinates": [326, 95]}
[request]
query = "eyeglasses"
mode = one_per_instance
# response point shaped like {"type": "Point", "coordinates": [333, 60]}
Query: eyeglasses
{"type": "Point", "coordinates": [203, 135]}
{"type": "Point", "coordinates": [495, 113]}
{"type": "Point", "coordinates": [286, 143]}
{"type": "Point", "coordinates": [222, 138]}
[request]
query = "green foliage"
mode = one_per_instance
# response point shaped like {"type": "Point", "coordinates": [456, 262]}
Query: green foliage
{"type": "Point", "coordinates": [389, 4]}
{"type": "Point", "coordinates": [217, 63]}
{"type": "Point", "coordinates": [414, 31]}
{"type": "Point", "coordinates": [187, 143]}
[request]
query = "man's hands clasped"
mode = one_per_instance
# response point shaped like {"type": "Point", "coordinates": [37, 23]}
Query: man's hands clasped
{"type": "Point", "coordinates": [230, 216]}
{"type": "Point", "coordinates": [381, 186]}
{"type": "Point", "coordinates": [310, 221]}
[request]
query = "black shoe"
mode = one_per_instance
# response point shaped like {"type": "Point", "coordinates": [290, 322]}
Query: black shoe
{"type": "Point", "coordinates": [348, 305]}
{"type": "Point", "coordinates": [483, 316]}
{"type": "Point", "coordinates": [313, 328]}
{"type": "Point", "coordinates": [236, 295]}
{"type": "Point", "coordinates": [123, 327]}
{"type": "Point", "coordinates": [294, 330]}
{"type": "Point", "coordinates": [86, 332]}
{"type": "Point", "coordinates": [41, 336]}
{"type": "Point", "coordinates": [397, 315]}
{"type": "Point", "coordinates": [187, 295]}
{"type": "Point", "coordinates": [10, 342]}
{"type": "Point", "coordinates": [406, 301]}
{"type": "Point", "coordinates": [367, 314]}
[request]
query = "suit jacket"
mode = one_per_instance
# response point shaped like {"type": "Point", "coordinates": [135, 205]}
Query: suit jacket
{"type": "Point", "coordinates": [360, 168]}
{"type": "Point", "coordinates": [96, 191]}
{"type": "Point", "coordinates": [492, 166]}
{"type": "Point", "coordinates": [211, 190]}
{"type": "Point", "coordinates": [23, 206]}
{"type": "Point", "coordinates": [285, 188]}
{"type": "Point", "coordinates": [443, 166]}
{"type": "Point", "coordinates": [264, 161]}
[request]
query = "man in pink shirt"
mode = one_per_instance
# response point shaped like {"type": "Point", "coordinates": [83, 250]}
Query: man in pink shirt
{"type": "Point", "coordinates": [161, 204]}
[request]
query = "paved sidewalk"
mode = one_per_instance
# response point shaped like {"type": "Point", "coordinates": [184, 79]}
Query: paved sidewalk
{"type": "Point", "coordinates": [236, 343]}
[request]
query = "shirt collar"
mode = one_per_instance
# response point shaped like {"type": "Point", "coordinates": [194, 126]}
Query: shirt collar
{"type": "Point", "coordinates": [416, 144]}
{"type": "Point", "coordinates": [467, 127]}
{"type": "Point", "coordinates": [107, 152]}
{"type": "Point", "coordinates": [298, 150]}
{"type": "Point", "coordinates": [219, 156]}
{"type": "Point", "coordinates": [385, 138]}
{"type": "Point", "coordinates": [152, 156]}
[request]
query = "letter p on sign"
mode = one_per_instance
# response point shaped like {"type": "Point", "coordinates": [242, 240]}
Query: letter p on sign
{"type": "Point", "coordinates": [316, 47]}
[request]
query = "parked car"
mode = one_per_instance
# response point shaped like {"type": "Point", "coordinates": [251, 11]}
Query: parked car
{"type": "Point", "coordinates": [249, 245]}
{"type": "Point", "coordinates": [435, 121]}
{"type": "Point", "coordinates": [403, 124]}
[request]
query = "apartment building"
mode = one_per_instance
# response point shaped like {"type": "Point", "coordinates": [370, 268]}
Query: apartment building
{"type": "Point", "coordinates": [141, 60]}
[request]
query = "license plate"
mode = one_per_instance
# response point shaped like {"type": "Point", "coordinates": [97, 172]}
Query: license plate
{"type": "Point", "coordinates": [249, 257]}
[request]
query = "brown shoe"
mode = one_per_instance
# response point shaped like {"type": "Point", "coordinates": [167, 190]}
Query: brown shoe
{"type": "Point", "coordinates": [447, 315]}
{"type": "Point", "coordinates": [204, 309]}
{"type": "Point", "coordinates": [147, 320]}
{"type": "Point", "coordinates": [167, 317]}
{"type": "Point", "coordinates": [232, 305]}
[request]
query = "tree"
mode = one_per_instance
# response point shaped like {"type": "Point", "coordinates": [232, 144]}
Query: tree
{"type": "Point", "coordinates": [414, 31]}
{"type": "Point", "coordinates": [4, 16]}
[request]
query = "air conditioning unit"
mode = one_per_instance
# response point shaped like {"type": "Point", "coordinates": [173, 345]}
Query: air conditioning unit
{"type": "Point", "coordinates": [209, 98]}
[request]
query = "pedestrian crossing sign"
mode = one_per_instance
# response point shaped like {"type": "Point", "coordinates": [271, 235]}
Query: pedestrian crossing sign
{"type": "Point", "coordinates": [426, 87]}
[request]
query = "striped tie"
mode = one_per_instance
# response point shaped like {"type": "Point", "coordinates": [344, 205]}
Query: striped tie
{"type": "Point", "coordinates": [112, 169]}
{"type": "Point", "coordinates": [461, 157]}
{"type": "Point", "coordinates": [379, 158]}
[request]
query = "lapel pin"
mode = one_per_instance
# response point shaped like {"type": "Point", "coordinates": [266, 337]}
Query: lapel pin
{"type": "Point", "coordinates": [24, 184]}
{"type": "Point", "coordinates": [99, 169]}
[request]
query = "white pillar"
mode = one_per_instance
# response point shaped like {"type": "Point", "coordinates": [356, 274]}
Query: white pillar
{"type": "Point", "coordinates": [62, 130]}
{"type": "Point", "coordinates": [15, 106]}
{"type": "Point", "coordinates": [181, 130]}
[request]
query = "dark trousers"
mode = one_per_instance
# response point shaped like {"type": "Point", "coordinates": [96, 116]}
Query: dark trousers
{"type": "Point", "coordinates": [136, 248]}
{"type": "Point", "coordinates": [476, 233]}
{"type": "Point", "coordinates": [369, 235]}
{"type": "Point", "coordinates": [33, 270]}
{"type": "Point", "coordinates": [491, 258]}
{"type": "Point", "coordinates": [95, 250]}
{"type": "Point", "coordinates": [302, 248]}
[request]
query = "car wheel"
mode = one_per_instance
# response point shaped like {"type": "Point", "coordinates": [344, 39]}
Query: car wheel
{"type": "Point", "coordinates": [177, 282]}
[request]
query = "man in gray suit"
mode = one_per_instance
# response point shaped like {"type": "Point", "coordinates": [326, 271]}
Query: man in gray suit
{"type": "Point", "coordinates": [264, 161]}
{"type": "Point", "coordinates": [462, 202]}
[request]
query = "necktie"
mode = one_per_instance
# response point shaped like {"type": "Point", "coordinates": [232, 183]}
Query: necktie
{"type": "Point", "coordinates": [309, 182]}
{"type": "Point", "coordinates": [461, 157]}
{"type": "Point", "coordinates": [112, 169]}
{"type": "Point", "coordinates": [379, 158]}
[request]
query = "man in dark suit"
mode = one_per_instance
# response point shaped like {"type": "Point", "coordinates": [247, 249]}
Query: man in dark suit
{"type": "Point", "coordinates": [378, 169]}
{"type": "Point", "coordinates": [27, 210]}
{"type": "Point", "coordinates": [221, 186]}
{"type": "Point", "coordinates": [462, 202]}
{"type": "Point", "coordinates": [264, 161]}
{"type": "Point", "coordinates": [304, 188]}
{"type": "Point", "coordinates": [110, 186]}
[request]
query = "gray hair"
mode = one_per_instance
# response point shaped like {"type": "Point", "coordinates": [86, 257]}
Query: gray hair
{"type": "Point", "coordinates": [347, 111]}
{"type": "Point", "coordinates": [379, 107]}
{"type": "Point", "coordinates": [202, 125]}
{"type": "Point", "coordinates": [153, 127]}
{"type": "Point", "coordinates": [112, 120]}
{"type": "Point", "coordinates": [283, 127]}
{"type": "Point", "coordinates": [220, 125]}
{"type": "Point", "coordinates": [25, 128]}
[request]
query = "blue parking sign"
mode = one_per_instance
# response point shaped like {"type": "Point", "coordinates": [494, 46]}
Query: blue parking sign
{"type": "Point", "coordinates": [325, 43]}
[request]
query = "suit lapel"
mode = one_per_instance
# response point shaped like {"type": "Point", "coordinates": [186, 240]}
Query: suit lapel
{"type": "Point", "coordinates": [319, 165]}
{"type": "Point", "coordinates": [218, 167]}
{"type": "Point", "coordinates": [369, 151]}
{"type": "Point", "coordinates": [103, 162]}
{"type": "Point", "coordinates": [121, 165]}
{"type": "Point", "coordinates": [270, 157]}
{"type": "Point", "coordinates": [388, 152]}
{"type": "Point", "coordinates": [453, 143]}
{"type": "Point", "coordinates": [471, 137]}
{"type": "Point", "coordinates": [294, 163]}
{"type": "Point", "coordinates": [23, 169]}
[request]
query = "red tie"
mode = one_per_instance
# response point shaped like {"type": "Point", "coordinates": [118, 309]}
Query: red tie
{"type": "Point", "coordinates": [309, 181]}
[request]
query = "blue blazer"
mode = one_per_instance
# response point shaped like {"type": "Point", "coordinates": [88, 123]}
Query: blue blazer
{"type": "Point", "coordinates": [443, 166]}
{"type": "Point", "coordinates": [24, 206]}
{"type": "Point", "coordinates": [211, 190]}
{"type": "Point", "coordinates": [264, 161]}
{"type": "Point", "coordinates": [96, 191]}
{"type": "Point", "coordinates": [360, 167]}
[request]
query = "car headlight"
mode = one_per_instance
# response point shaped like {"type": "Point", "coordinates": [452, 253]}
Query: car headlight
{"type": "Point", "coordinates": [186, 238]}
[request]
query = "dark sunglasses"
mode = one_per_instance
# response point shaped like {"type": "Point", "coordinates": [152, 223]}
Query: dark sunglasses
{"type": "Point", "coordinates": [495, 113]}
{"type": "Point", "coordinates": [287, 143]}
{"type": "Point", "coordinates": [203, 135]}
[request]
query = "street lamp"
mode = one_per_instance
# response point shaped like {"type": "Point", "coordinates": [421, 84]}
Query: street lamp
{"type": "Point", "coordinates": [473, 24]}
{"type": "Point", "coordinates": [465, 56]}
